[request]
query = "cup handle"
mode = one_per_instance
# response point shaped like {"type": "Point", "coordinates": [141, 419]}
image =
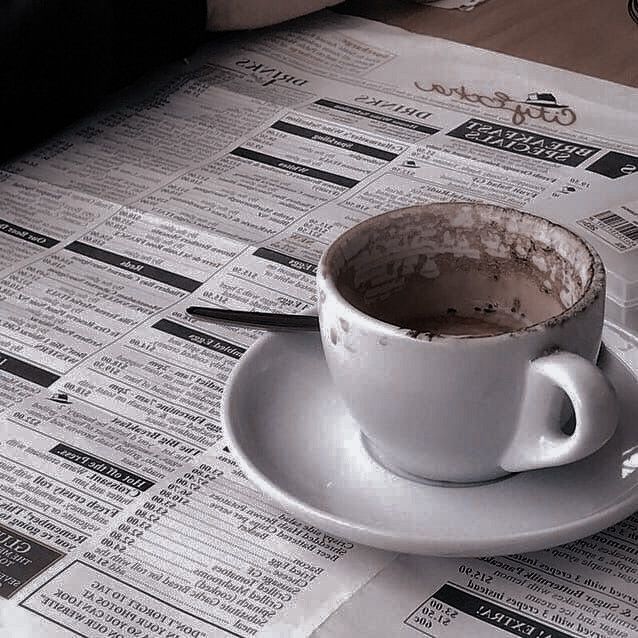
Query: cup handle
{"type": "Point", "coordinates": [539, 441]}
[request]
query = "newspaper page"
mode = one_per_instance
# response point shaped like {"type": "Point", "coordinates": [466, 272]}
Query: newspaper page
{"type": "Point", "coordinates": [586, 589]}
{"type": "Point", "coordinates": [219, 181]}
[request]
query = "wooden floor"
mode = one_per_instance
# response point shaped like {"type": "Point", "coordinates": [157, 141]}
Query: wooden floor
{"type": "Point", "coordinates": [594, 37]}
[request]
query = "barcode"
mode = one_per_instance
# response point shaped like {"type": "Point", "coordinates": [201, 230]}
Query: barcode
{"type": "Point", "coordinates": [627, 229]}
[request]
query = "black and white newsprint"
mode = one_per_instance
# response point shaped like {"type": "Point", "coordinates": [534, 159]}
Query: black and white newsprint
{"type": "Point", "coordinates": [220, 182]}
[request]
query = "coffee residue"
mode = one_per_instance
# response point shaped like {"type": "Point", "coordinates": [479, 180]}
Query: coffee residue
{"type": "Point", "coordinates": [452, 324]}
{"type": "Point", "coordinates": [463, 270]}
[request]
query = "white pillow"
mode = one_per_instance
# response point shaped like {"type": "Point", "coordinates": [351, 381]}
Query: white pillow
{"type": "Point", "coordinates": [225, 15]}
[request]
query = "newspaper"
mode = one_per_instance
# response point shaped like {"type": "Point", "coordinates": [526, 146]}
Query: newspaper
{"type": "Point", "coordinates": [219, 181]}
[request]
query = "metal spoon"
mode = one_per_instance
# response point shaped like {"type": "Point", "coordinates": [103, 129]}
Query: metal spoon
{"type": "Point", "coordinates": [249, 319]}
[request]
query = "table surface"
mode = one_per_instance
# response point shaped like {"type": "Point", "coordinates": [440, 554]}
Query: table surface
{"type": "Point", "coordinates": [594, 37]}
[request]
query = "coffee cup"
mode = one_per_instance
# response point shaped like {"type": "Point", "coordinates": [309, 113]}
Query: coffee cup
{"type": "Point", "coordinates": [461, 336]}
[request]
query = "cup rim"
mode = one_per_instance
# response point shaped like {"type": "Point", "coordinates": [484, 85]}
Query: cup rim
{"type": "Point", "coordinates": [594, 287]}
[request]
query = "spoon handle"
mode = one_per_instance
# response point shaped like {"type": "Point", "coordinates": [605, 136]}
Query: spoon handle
{"type": "Point", "coordinates": [250, 319]}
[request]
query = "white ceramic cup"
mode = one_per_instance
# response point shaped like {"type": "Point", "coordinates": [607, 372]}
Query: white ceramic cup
{"type": "Point", "coordinates": [508, 309]}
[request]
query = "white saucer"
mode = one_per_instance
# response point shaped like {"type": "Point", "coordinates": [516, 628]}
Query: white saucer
{"type": "Point", "coordinates": [294, 439]}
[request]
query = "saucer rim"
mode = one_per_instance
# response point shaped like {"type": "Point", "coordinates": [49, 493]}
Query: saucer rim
{"type": "Point", "coordinates": [519, 542]}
